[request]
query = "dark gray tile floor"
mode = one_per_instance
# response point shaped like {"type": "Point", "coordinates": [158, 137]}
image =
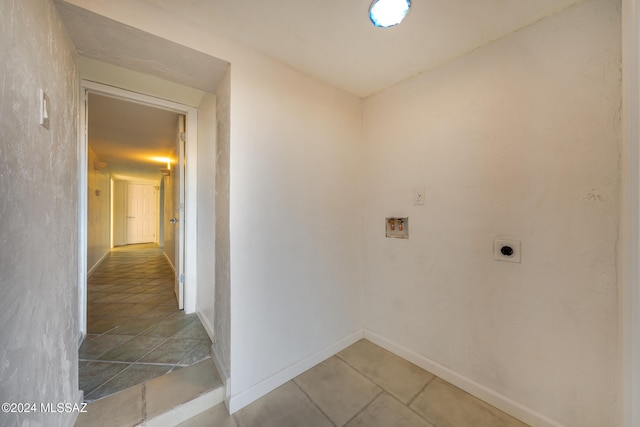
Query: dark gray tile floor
{"type": "Point", "coordinates": [135, 331]}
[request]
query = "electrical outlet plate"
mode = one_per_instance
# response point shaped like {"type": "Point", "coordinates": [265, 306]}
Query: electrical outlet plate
{"type": "Point", "coordinates": [507, 250]}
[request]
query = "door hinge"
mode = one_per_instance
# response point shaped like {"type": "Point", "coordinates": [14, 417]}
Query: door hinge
{"type": "Point", "coordinates": [182, 136]}
{"type": "Point", "coordinates": [182, 278]}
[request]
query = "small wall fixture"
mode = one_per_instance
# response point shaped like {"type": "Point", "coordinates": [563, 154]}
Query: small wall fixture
{"type": "Point", "coordinates": [99, 165]}
{"type": "Point", "coordinates": [397, 227]}
{"type": "Point", "coordinates": [507, 250]}
{"type": "Point", "coordinates": [387, 13]}
{"type": "Point", "coordinates": [166, 172]}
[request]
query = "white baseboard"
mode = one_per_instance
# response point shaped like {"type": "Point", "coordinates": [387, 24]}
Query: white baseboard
{"type": "Point", "coordinates": [97, 264]}
{"type": "Point", "coordinates": [218, 361]}
{"type": "Point", "coordinates": [515, 409]}
{"type": "Point", "coordinates": [80, 338]}
{"type": "Point", "coordinates": [170, 263]}
{"type": "Point", "coordinates": [205, 323]}
{"type": "Point", "coordinates": [245, 397]}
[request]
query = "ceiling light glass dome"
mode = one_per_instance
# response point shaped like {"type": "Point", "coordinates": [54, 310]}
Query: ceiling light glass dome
{"type": "Point", "coordinates": [387, 13]}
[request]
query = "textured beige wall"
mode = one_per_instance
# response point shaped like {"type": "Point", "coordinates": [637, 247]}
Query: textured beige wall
{"type": "Point", "coordinates": [38, 207]}
{"type": "Point", "coordinates": [222, 320]}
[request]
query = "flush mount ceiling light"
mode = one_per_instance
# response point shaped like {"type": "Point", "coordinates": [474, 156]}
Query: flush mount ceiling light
{"type": "Point", "coordinates": [387, 13]}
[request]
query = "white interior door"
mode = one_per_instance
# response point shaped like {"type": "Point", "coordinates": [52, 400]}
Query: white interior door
{"type": "Point", "coordinates": [178, 198]}
{"type": "Point", "coordinates": [141, 213]}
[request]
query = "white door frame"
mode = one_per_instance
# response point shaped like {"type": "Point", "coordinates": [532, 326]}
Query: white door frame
{"type": "Point", "coordinates": [179, 210]}
{"type": "Point", "coordinates": [191, 174]}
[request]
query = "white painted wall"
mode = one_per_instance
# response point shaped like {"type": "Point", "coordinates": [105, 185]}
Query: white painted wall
{"type": "Point", "coordinates": [519, 138]}
{"type": "Point", "coordinates": [295, 222]}
{"type": "Point", "coordinates": [206, 211]}
{"type": "Point", "coordinates": [38, 207]}
{"type": "Point", "coordinates": [294, 209]}
{"type": "Point", "coordinates": [629, 230]}
{"type": "Point", "coordinates": [119, 212]}
{"type": "Point", "coordinates": [98, 212]}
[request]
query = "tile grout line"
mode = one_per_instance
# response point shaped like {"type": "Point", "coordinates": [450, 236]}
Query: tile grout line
{"type": "Point", "coordinates": [313, 402]}
{"type": "Point", "coordinates": [105, 382]}
{"type": "Point", "coordinates": [144, 401]}
{"type": "Point", "coordinates": [382, 391]}
{"type": "Point", "coordinates": [142, 275]}
{"type": "Point", "coordinates": [361, 373]}
{"type": "Point", "coordinates": [236, 420]}
{"type": "Point", "coordinates": [422, 389]}
{"type": "Point", "coordinates": [410, 408]}
{"type": "Point", "coordinates": [391, 395]}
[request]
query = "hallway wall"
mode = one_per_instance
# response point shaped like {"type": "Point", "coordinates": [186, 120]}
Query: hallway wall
{"type": "Point", "coordinates": [206, 209]}
{"type": "Point", "coordinates": [119, 212]}
{"type": "Point", "coordinates": [222, 304]}
{"type": "Point", "coordinates": [98, 212]}
{"type": "Point", "coordinates": [38, 206]}
{"type": "Point", "coordinates": [518, 139]}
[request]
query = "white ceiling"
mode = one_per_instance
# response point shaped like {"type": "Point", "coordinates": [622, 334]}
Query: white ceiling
{"type": "Point", "coordinates": [127, 135]}
{"type": "Point", "coordinates": [332, 40]}
{"type": "Point", "coordinates": [335, 41]}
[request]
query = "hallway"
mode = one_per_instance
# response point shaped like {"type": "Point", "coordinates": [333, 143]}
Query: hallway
{"type": "Point", "coordinates": [135, 331]}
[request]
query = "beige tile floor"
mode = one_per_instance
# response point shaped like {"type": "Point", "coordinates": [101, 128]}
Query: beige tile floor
{"type": "Point", "coordinates": [143, 403]}
{"type": "Point", "coordinates": [135, 331]}
{"type": "Point", "coordinates": [366, 386]}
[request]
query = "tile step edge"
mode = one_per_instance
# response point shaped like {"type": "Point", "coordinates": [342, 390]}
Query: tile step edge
{"type": "Point", "coordinates": [185, 411]}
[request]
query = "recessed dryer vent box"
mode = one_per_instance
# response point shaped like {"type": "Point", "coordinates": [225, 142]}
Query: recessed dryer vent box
{"type": "Point", "coordinates": [397, 227]}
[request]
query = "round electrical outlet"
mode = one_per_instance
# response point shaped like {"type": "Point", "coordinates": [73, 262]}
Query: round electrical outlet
{"type": "Point", "coordinates": [506, 251]}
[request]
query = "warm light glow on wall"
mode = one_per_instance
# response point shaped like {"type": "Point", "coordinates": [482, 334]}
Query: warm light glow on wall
{"type": "Point", "coordinates": [159, 159]}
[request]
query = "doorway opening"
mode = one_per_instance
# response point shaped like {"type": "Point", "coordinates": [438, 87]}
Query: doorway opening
{"type": "Point", "coordinates": [137, 236]}
{"type": "Point", "coordinates": [171, 194]}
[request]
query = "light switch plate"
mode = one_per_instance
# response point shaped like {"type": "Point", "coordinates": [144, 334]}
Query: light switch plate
{"type": "Point", "coordinates": [44, 110]}
{"type": "Point", "coordinates": [418, 195]}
